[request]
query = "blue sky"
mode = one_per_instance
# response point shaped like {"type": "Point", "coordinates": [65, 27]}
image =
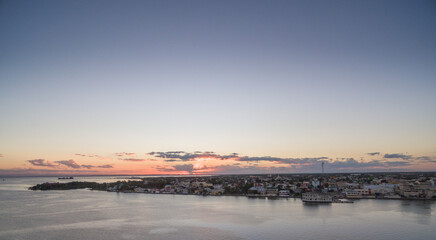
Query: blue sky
{"type": "Point", "coordinates": [291, 79]}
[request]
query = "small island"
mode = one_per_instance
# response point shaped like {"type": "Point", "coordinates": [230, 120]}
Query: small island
{"type": "Point", "coordinates": [414, 186]}
{"type": "Point", "coordinates": [69, 186]}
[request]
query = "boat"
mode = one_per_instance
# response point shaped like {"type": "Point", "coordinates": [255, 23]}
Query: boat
{"type": "Point", "coordinates": [65, 178]}
{"type": "Point", "coordinates": [316, 198]}
{"type": "Point", "coordinates": [340, 200]}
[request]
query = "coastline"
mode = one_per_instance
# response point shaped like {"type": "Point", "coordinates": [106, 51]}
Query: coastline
{"type": "Point", "coordinates": [234, 195]}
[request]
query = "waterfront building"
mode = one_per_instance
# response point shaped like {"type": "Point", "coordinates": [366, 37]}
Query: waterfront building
{"type": "Point", "coordinates": [139, 189]}
{"type": "Point", "coordinates": [312, 197]}
{"type": "Point", "coordinates": [257, 190]}
{"type": "Point", "coordinates": [271, 191]}
{"type": "Point", "coordinates": [415, 189]}
{"type": "Point", "coordinates": [352, 194]}
{"type": "Point", "coordinates": [284, 193]}
{"type": "Point", "coordinates": [359, 193]}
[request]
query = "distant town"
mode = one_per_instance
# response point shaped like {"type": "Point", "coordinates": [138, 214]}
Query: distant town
{"type": "Point", "coordinates": [326, 187]}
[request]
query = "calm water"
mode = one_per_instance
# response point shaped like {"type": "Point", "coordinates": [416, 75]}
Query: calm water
{"type": "Point", "coordinates": [84, 214]}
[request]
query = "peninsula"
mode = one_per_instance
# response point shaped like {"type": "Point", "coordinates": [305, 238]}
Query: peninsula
{"type": "Point", "coordinates": [352, 186]}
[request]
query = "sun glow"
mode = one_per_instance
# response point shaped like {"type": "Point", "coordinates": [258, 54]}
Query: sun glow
{"type": "Point", "coordinates": [198, 165]}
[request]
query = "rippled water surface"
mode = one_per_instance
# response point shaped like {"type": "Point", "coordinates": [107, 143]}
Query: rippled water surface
{"type": "Point", "coordinates": [84, 214]}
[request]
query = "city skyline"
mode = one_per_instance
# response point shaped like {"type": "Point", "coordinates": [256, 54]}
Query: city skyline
{"type": "Point", "coordinates": [228, 87]}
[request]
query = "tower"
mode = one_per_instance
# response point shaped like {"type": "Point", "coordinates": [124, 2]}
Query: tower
{"type": "Point", "coordinates": [322, 166]}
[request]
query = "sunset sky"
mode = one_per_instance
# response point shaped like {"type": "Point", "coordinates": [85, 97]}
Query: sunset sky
{"type": "Point", "coordinates": [216, 87]}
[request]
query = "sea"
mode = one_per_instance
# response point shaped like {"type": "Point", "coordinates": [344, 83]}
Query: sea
{"type": "Point", "coordinates": [85, 214]}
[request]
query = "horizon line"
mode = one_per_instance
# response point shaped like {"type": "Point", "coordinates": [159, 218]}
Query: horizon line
{"type": "Point", "coordinates": [208, 175]}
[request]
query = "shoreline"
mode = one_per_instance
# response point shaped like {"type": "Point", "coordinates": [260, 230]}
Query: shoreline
{"type": "Point", "coordinates": [236, 195]}
{"type": "Point", "coordinates": [268, 197]}
{"type": "Point", "coordinates": [350, 187]}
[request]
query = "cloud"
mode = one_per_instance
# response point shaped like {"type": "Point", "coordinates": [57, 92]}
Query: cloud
{"type": "Point", "coordinates": [170, 152]}
{"type": "Point", "coordinates": [184, 167]}
{"type": "Point", "coordinates": [104, 166]}
{"type": "Point", "coordinates": [91, 166]}
{"type": "Point", "coordinates": [347, 165]}
{"type": "Point", "coordinates": [133, 159]}
{"type": "Point", "coordinates": [312, 165]}
{"type": "Point", "coordinates": [283, 160]}
{"type": "Point", "coordinates": [73, 164]}
{"type": "Point", "coordinates": [426, 158]}
{"type": "Point", "coordinates": [397, 155]}
{"type": "Point", "coordinates": [41, 163]}
{"type": "Point", "coordinates": [351, 163]}
{"type": "Point", "coordinates": [267, 164]}
{"type": "Point", "coordinates": [69, 163]}
{"type": "Point", "coordinates": [173, 156]}
{"type": "Point", "coordinates": [373, 153]}
{"type": "Point", "coordinates": [121, 154]}
{"type": "Point", "coordinates": [92, 156]}
{"type": "Point", "coordinates": [177, 168]}
{"type": "Point", "coordinates": [1, 155]}
{"type": "Point", "coordinates": [397, 164]}
{"type": "Point", "coordinates": [87, 166]}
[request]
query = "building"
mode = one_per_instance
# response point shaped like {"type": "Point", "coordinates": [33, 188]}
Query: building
{"type": "Point", "coordinates": [284, 193]}
{"type": "Point", "coordinates": [312, 197]}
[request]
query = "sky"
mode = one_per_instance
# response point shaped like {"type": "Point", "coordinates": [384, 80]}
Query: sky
{"type": "Point", "coordinates": [216, 87]}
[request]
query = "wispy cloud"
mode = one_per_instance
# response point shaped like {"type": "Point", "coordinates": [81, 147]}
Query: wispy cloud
{"type": "Point", "coordinates": [351, 163]}
{"type": "Point", "coordinates": [1, 155]}
{"type": "Point", "coordinates": [397, 164]}
{"type": "Point", "coordinates": [283, 160]}
{"type": "Point", "coordinates": [133, 159]}
{"type": "Point", "coordinates": [373, 153]}
{"type": "Point", "coordinates": [398, 155]}
{"type": "Point", "coordinates": [92, 156]}
{"type": "Point", "coordinates": [73, 164]}
{"type": "Point", "coordinates": [69, 163]}
{"type": "Point", "coordinates": [92, 166]}
{"type": "Point", "coordinates": [105, 166]}
{"type": "Point", "coordinates": [173, 156]}
{"type": "Point", "coordinates": [41, 163]}
{"type": "Point", "coordinates": [426, 158]}
{"type": "Point", "coordinates": [121, 154]}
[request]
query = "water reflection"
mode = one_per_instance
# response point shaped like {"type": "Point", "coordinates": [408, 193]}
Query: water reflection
{"type": "Point", "coordinates": [83, 214]}
{"type": "Point", "coordinates": [419, 211]}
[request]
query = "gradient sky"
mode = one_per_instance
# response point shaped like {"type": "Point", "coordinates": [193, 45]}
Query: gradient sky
{"type": "Point", "coordinates": [285, 84]}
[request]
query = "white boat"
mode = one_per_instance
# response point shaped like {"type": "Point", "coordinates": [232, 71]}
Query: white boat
{"type": "Point", "coordinates": [343, 201]}
{"type": "Point", "coordinates": [284, 193]}
{"type": "Point", "coordinates": [316, 198]}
